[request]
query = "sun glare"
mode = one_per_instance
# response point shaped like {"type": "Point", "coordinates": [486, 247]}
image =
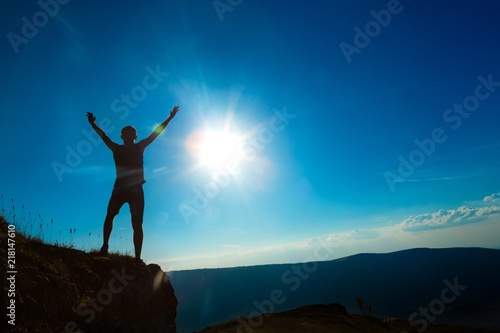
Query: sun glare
{"type": "Point", "coordinates": [213, 149]}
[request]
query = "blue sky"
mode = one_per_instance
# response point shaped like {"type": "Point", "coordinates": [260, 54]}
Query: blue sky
{"type": "Point", "coordinates": [363, 127]}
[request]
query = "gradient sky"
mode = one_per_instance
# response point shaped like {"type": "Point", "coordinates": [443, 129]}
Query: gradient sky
{"type": "Point", "coordinates": [357, 134]}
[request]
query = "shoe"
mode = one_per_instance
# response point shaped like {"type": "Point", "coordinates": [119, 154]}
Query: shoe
{"type": "Point", "coordinates": [104, 250]}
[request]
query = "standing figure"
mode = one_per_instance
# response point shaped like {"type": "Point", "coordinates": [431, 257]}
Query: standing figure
{"type": "Point", "coordinates": [129, 178]}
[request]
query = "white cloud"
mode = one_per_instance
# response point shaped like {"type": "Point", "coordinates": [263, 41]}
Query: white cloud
{"type": "Point", "coordinates": [475, 212]}
{"type": "Point", "coordinates": [493, 197]}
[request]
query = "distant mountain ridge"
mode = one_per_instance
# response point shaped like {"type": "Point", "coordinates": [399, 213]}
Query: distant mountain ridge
{"type": "Point", "coordinates": [400, 284]}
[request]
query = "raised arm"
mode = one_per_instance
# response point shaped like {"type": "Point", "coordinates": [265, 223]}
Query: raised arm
{"type": "Point", "coordinates": [160, 128]}
{"type": "Point", "coordinates": [100, 132]}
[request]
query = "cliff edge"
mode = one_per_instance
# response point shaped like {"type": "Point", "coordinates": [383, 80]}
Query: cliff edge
{"type": "Point", "coordinates": [50, 288]}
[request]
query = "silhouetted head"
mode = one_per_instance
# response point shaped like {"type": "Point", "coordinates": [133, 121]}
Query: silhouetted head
{"type": "Point", "coordinates": [129, 134]}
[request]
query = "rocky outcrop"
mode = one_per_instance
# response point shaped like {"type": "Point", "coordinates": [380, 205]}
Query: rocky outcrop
{"type": "Point", "coordinates": [59, 289]}
{"type": "Point", "coordinates": [332, 318]}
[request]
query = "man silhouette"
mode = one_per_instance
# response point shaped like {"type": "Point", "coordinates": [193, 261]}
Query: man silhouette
{"type": "Point", "coordinates": [129, 178]}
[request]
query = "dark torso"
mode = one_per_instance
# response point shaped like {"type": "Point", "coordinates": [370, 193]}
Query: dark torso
{"type": "Point", "coordinates": [129, 165]}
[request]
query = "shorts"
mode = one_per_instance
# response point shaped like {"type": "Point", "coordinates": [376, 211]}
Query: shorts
{"type": "Point", "coordinates": [134, 196]}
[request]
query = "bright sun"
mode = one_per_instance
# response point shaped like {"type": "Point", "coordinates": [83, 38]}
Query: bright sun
{"type": "Point", "coordinates": [213, 149]}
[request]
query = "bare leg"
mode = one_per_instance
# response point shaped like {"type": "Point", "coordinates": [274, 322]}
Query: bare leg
{"type": "Point", "coordinates": [115, 202]}
{"type": "Point", "coordinates": [106, 233]}
{"type": "Point", "coordinates": [138, 237]}
{"type": "Point", "coordinates": [137, 214]}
